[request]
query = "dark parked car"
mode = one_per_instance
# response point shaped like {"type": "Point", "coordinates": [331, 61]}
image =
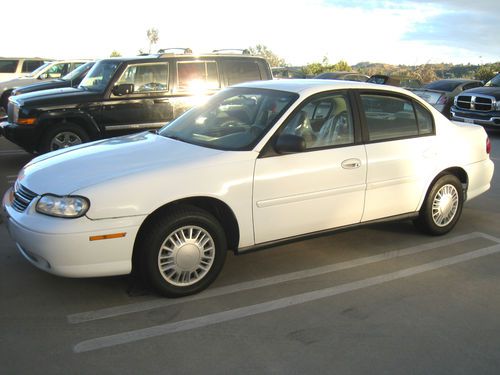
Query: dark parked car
{"type": "Point", "coordinates": [440, 94]}
{"type": "Point", "coordinates": [404, 82]}
{"type": "Point", "coordinates": [71, 79]}
{"type": "Point", "coordinates": [343, 76]}
{"type": "Point", "coordinates": [480, 105]}
{"type": "Point", "coordinates": [124, 95]}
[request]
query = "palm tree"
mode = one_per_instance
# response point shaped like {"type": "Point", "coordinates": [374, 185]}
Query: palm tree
{"type": "Point", "coordinates": [153, 37]}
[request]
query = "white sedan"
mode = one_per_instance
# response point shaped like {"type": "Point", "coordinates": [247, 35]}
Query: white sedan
{"type": "Point", "coordinates": [258, 164]}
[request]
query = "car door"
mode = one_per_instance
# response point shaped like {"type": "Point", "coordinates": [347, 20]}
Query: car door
{"type": "Point", "coordinates": [400, 146]}
{"type": "Point", "coordinates": [320, 188]}
{"type": "Point", "coordinates": [146, 107]}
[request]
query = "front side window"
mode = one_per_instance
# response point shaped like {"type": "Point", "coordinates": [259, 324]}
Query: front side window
{"type": "Point", "coordinates": [234, 119]}
{"type": "Point", "coordinates": [197, 76]}
{"type": "Point", "coordinates": [325, 121]}
{"type": "Point", "coordinates": [241, 71]}
{"type": "Point", "coordinates": [389, 117]}
{"type": "Point", "coordinates": [494, 82]}
{"type": "Point", "coordinates": [99, 76]}
{"type": "Point", "coordinates": [146, 78]}
{"type": "Point", "coordinates": [8, 66]}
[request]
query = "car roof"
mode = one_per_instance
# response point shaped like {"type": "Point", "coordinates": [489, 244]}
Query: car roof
{"type": "Point", "coordinates": [168, 56]}
{"type": "Point", "coordinates": [311, 86]}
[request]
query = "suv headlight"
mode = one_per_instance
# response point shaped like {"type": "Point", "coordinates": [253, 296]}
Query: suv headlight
{"type": "Point", "coordinates": [497, 105]}
{"type": "Point", "coordinates": [68, 206]}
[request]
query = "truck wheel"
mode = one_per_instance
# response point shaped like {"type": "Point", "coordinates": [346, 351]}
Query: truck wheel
{"type": "Point", "coordinates": [62, 136]}
{"type": "Point", "coordinates": [442, 206]}
{"type": "Point", "coordinates": [182, 252]}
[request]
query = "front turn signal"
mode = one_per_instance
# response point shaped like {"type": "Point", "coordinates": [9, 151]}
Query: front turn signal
{"type": "Point", "coordinates": [26, 121]}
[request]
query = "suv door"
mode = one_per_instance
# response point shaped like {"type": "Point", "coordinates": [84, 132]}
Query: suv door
{"type": "Point", "coordinates": [320, 188]}
{"type": "Point", "coordinates": [400, 144]}
{"type": "Point", "coordinates": [146, 107]}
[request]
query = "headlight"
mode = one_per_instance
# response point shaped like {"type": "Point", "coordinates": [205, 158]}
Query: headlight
{"type": "Point", "coordinates": [69, 206]}
{"type": "Point", "coordinates": [497, 105]}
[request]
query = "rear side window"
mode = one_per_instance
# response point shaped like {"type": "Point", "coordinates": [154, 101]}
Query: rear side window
{"type": "Point", "coordinates": [8, 66]}
{"type": "Point", "coordinates": [30, 65]}
{"type": "Point", "coordinates": [241, 71]}
{"type": "Point", "coordinates": [389, 117]}
{"type": "Point", "coordinates": [424, 119]}
{"type": "Point", "coordinates": [197, 76]}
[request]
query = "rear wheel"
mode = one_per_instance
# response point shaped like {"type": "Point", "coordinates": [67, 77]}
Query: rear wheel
{"type": "Point", "coordinates": [182, 252]}
{"type": "Point", "coordinates": [63, 136]}
{"type": "Point", "coordinates": [442, 207]}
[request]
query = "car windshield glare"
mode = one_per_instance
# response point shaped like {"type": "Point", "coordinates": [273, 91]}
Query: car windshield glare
{"type": "Point", "coordinates": [76, 72]}
{"type": "Point", "coordinates": [494, 82]}
{"type": "Point", "coordinates": [235, 119]}
{"type": "Point", "coordinates": [98, 77]}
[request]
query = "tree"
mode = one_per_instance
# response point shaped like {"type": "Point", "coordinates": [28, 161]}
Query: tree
{"type": "Point", "coordinates": [153, 37]}
{"type": "Point", "coordinates": [341, 66]}
{"type": "Point", "coordinates": [115, 54]}
{"type": "Point", "coordinates": [485, 73]}
{"type": "Point", "coordinates": [273, 59]}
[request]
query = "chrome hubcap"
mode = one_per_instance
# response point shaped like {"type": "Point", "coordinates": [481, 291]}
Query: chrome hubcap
{"type": "Point", "coordinates": [186, 255]}
{"type": "Point", "coordinates": [65, 139]}
{"type": "Point", "coordinates": [445, 205]}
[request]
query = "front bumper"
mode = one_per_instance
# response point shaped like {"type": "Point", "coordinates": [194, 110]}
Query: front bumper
{"type": "Point", "coordinates": [490, 119]}
{"type": "Point", "coordinates": [22, 135]}
{"type": "Point", "coordinates": [63, 247]}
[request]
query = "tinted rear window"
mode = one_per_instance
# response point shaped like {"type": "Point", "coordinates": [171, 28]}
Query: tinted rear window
{"type": "Point", "coordinates": [30, 65]}
{"type": "Point", "coordinates": [443, 85]}
{"type": "Point", "coordinates": [8, 66]}
{"type": "Point", "coordinates": [241, 71]}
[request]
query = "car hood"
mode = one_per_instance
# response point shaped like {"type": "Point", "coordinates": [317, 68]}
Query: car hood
{"type": "Point", "coordinates": [57, 83]}
{"type": "Point", "coordinates": [66, 171]}
{"type": "Point", "coordinates": [491, 91]}
{"type": "Point", "coordinates": [17, 82]}
{"type": "Point", "coordinates": [67, 94]}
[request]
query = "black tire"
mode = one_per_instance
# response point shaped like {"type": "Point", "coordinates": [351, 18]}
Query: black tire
{"type": "Point", "coordinates": [186, 272]}
{"type": "Point", "coordinates": [441, 218]}
{"type": "Point", "coordinates": [62, 136]}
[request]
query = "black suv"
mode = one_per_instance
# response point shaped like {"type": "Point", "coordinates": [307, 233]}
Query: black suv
{"type": "Point", "coordinates": [124, 95]}
{"type": "Point", "coordinates": [480, 105]}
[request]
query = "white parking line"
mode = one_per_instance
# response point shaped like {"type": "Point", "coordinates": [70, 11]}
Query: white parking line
{"type": "Point", "coordinates": [12, 152]}
{"type": "Point", "coordinates": [11, 178]}
{"type": "Point", "coordinates": [215, 292]}
{"type": "Point", "coordinates": [207, 320]}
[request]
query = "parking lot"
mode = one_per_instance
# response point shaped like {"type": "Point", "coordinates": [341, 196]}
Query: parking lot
{"type": "Point", "coordinates": [378, 299]}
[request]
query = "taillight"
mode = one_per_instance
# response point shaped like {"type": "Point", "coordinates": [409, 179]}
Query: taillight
{"type": "Point", "coordinates": [488, 145]}
{"type": "Point", "coordinates": [442, 99]}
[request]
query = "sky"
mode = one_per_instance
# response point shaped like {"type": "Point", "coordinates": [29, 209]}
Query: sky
{"type": "Point", "coordinates": [301, 31]}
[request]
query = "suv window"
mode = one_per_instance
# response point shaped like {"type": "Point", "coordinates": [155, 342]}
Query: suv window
{"type": "Point", "coordinates": [197, 75]}
{"type": "Point", "coordinates": [8, 66]}
{"type": "Point", "coordinates": [241, 71]}
{"type": "Point", "coordinates": [58, 70]}
{"type": "Point", "coordinates": [146, 77]}
{"type": "Point", "coordinates": [389, 117]}
{"type": "Point", "coordinates": [30, 65]}
{"type": "Point", "coordinates": [323, 122]}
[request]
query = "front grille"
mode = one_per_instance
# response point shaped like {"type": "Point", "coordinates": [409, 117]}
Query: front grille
{"type": "Point", "coordinates": [476, 102]}
{"type": "Point", "coordinates": [22, 198]}
{"type": "Point", "coordinates": [12, 112]}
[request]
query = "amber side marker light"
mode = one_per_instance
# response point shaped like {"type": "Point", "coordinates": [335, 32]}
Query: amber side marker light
{"type": "Point", "coordinates": [26, 121]}
{"type": "Point", "coordinates": [107, 236]}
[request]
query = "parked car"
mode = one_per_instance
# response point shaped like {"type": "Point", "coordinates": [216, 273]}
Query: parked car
{"type": "Point", "coordinates": [71, 79]}
{"type": "Point", "coordinates": [12, 67]}
{"type": "Point", "coordinates": [440, 94]}
{"type": "Point", "coordinates": [258, 164]}
{"type": "Point", "coordinates": [345, 76]}
{"type": "Point", "coordinates": [405, 82]}
{"type": "Point", "coordinates": [288, 72]}
{"type": "Point", "coordinates": [124, 95]}
{"type": "Point", "coordinates": [50, 70]}
{"type": "Point", "coordinates": [480, 105]}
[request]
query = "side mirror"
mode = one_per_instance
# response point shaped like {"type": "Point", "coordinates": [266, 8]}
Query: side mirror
{"type": "Point", "coordinates": [290, 144]}
{"type": "Point", "coordinates": [123, 89]}
{"type": "Point", "coordinates": [43, 76]}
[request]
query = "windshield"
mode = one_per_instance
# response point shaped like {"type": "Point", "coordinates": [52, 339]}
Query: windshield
{"type": "Point", "coordinates": [76, 73]}
{"type": "Point", "coordinates": [443, 85]}
{"type": "Point", "coordinates": [234, 119]}
{"type": "Point", "coordinates": [39, 70]}
{"type": "Point", "coordinates": [99, 76]}
{"type": "Point", "coordinates": [494, 82]}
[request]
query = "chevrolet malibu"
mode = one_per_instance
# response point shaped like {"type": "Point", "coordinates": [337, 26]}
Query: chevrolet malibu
{"type": "Point", "coordinates": [257, 164]}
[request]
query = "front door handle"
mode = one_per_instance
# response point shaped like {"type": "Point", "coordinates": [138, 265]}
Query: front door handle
{"type": "Point", "coordinates": [351, 164]}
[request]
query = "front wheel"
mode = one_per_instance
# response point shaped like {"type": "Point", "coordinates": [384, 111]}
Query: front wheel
{"type": "Point", "coordinates": [182, 252]}
{"type": "Point", "coordinates": [63, 136]}
{"type": "Point", "coordinates": [442, 206]}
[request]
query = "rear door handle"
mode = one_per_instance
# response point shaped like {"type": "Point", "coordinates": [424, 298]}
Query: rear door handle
{"type": "Point", "coordinates": [351, 164]}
